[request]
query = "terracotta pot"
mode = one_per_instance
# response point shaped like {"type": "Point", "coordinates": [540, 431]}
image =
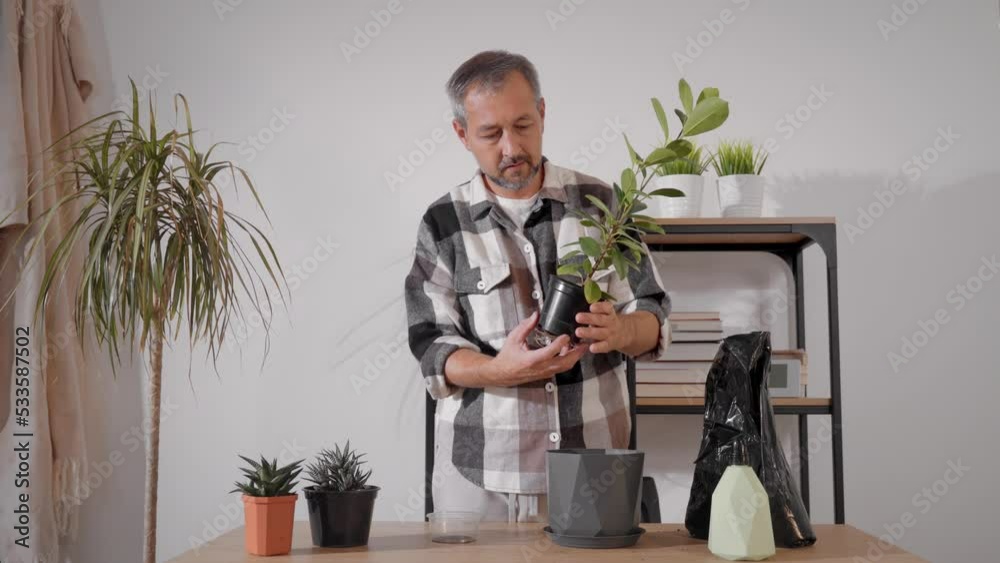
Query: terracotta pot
{"type": "Point", "coordinates": [269, 522]}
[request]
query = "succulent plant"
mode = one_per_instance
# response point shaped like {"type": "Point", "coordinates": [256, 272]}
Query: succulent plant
{"type": "Point", "coordinates": [266, 479]}
{"type": "Point", "coordinates": [338, 470]}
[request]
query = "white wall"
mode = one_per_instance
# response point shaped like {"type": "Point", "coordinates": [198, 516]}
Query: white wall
{"type": "Point", "coordinates": [350, 122]}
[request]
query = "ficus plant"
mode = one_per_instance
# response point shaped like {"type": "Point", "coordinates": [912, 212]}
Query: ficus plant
{"type": "Point", "coordinates": [620, 228]}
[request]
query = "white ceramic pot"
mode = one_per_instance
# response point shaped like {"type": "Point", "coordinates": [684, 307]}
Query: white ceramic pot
{"type": "Point", "coordinates": [693, 186]}
{"type": "Point", "coordinates": [741, 195]}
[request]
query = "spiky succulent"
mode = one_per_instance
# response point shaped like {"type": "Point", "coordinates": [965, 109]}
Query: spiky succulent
{"type": "Point", "coordinates": [338, 470]}
{"type": "Point", "coordinates": [266, 479]}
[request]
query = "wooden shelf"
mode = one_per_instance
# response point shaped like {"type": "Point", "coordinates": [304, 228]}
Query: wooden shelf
{"type": "Point", "coordinates": [726, 221]}
{"type": "Point", "coordinates": [686, 405]}
{"type": "Point", "coordinates": [738, 232]}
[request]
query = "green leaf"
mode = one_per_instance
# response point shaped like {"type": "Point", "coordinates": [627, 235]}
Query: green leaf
{"type": "Point", "coordinates": [682, 116]}
{"type": "Point", "coordinates": [681, 147]}
{"type": "Point", "coordinates": [650, 227]}
{"type": "Point", "coordinates": [636, 159]}
{"type": "Point", "coordinates": [590, 247]}
{"type": "Point", "coordinates": [661, 116]}
{"type": "Point", "coordinates": [707, 115]}
{"type": "Point", "coordinates": [685, 92]}
{"type": "Point", "coordinates": [659, 156]}
{"type": "Point", "coordinates": [668, 192]}
{"type": "Point", "coordinates": [708, 93]}
{"type": "Point", "coordinates": [628, 180]}
{"type": "Point", "coordinates": [620, 265]}
{"type": "Point", "coordinates": [605, 296]}
{"type": "Point", "coordinates": [569, 270]}
{"type": "Point", "coordinates": [600, 204]}
{"type": "Point", "coordinates": [592, 291]}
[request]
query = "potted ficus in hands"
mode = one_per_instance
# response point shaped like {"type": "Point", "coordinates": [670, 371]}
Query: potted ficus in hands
{"type": "Point", "coordinates": [741, 187]}
{"type": "Point", "coordinates": [269, 504]}
{"type": "Point", "coordinates": [341, 502]}
{"type": "Point", "coordinates": [617, 229]}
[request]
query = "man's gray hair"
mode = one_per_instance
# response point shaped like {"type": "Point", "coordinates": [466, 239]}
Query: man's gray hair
{"type": "Point", "coordinates": [488, 70]}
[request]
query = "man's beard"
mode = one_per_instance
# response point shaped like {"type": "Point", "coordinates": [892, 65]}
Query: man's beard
{"type": "Point", "coordinates": [515, 185]}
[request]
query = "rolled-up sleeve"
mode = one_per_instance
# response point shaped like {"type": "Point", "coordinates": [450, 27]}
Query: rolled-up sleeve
{"type": "Point", "coordinates": [432, 310]}
{"type": "Point", "coordinates": [643, 291]}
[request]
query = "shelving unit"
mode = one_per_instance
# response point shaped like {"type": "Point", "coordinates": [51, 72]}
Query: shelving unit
{"type": "Point", "coordinates": [787, 238]}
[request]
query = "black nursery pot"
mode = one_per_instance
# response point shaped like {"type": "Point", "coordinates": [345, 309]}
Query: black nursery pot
{"type": "Point", "coordinates": [564, 299]}
{"type": "Point", "coordinates": [340, 519]}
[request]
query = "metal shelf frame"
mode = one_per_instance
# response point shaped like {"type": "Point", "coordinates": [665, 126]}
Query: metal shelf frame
{"type": "Point", "coordinates": [786, 238]}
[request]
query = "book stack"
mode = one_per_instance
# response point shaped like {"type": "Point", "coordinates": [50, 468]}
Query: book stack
{"type": "Point", "coordinates": [682, 369]}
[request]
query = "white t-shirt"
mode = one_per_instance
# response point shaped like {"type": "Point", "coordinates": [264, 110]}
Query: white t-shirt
{"type": "Point", "coordinates": [517, 209]}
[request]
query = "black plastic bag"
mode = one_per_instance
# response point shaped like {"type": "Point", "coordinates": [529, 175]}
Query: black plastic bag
{"type": "Point", "coordinates": [739, 428]}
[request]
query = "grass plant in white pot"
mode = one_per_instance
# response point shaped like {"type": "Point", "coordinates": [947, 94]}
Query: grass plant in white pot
{"type": "Point", "coordinates": [741, 187]}
{"type": "Point", "coordinates": [686, 175]}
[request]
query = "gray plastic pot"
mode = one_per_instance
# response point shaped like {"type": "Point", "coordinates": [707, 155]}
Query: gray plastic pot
{"type": "Point", "coordinates": [594, 492]}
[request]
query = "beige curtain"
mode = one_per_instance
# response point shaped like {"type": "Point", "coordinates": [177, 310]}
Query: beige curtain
{"type": "Point", "coordinates": [47, 75]}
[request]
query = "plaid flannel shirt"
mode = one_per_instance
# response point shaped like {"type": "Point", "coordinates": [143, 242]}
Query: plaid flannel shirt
{"type": "Point", "coordinates": [475, 276]}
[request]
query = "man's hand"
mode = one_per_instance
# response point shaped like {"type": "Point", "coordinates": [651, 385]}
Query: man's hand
{"type": "Point", "coordinates": [607, 331]}
{"type": "Point", "coordinates": [516, 363]}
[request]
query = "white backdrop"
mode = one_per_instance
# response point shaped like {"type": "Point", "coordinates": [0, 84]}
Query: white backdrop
{"type": "Point", "coordinates": [338, 111]}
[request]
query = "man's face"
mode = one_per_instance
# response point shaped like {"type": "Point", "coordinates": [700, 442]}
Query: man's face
{"type": "Point", "coordinates": [504, 132]}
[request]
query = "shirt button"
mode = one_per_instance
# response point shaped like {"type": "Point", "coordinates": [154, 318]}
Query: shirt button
{"type": "Point", "coordinates": [554, 437]}
{"type": "Point", "coordinates": [536, 294]}
{"type": "Point", "coordinates": [550, 387]}
{"type": "Point", "coordinates": [481, 285]}
{"type": "Point", "coordinates": [527, 248]}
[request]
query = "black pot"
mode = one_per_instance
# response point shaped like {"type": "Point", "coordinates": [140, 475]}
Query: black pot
{"type": "Point", "coordinates": [563, 300]}
{"type": "Point", "coordinates": [340, 519]}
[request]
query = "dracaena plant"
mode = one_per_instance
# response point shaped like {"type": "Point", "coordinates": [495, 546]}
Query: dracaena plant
{"type": "Point", "coordinates": [267, 479]}
{"type": "Point", "coordinates": [162, 252]}
{"type": "Point", "coordinates": [338, 470]}
{"type": "Point", "coordinates": [621, 227]}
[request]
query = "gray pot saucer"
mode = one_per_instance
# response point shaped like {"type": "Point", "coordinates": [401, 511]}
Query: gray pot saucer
{"type": "Point", "coordinates": [595, 542]}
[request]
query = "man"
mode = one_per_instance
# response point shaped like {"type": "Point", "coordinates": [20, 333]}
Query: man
{"type": "Point", "coordinates": [484, 253]}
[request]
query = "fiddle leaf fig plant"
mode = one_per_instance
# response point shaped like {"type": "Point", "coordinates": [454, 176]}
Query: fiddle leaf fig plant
{"type": "Point", "coordinates": [621, 227]}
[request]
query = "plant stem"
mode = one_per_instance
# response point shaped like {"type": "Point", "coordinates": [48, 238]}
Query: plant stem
{"type": "Point", "coordinates": [612, 237]}
{"type": "Point", "coordinates": [153, 445]}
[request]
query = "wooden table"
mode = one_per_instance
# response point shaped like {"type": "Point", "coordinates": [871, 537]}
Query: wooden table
{"type": "Point", "coordinates": [526, 543]}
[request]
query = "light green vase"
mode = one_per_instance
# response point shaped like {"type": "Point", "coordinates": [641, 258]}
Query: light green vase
{"type": "Point", "coordinates": [740, 526]}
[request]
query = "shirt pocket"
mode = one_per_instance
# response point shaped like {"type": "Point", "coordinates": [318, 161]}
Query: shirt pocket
{"type": "Point", "coordinates": [487, 295]}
